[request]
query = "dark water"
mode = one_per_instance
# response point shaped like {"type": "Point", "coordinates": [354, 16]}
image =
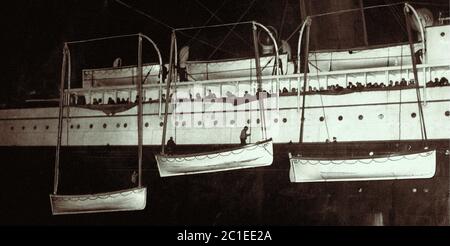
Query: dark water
{"type": "Point", "coordinates": [260, 196]}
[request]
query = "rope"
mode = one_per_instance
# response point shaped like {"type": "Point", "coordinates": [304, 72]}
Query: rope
{"type": "Point", "coordinates": [232, 28]}
{"type": "Point", "coordinates": [166, 25]}
{"type": "Point", "coordinates": [400, 102]}
{"type": "Point", "coordinates": [341, 12]}
{"type": "Point", "coordinates": [144, 14]}
{"type": "Point", "coordinates": [212, 26]}
{"type": "Point", "coordinates": [102, 38]}
{"type": "Point", "coordinates": [321, 99]}
{"type": "Point", "coordinates": [355, 9]}
{"type": "Point", "coordinates": [283, 17]}
{"type": "Point", "coordinates": [207, 21]}
{"type": "Point", "coordinates": [398, 18]}
{"type": "Point", "coordinates": [219, 19]}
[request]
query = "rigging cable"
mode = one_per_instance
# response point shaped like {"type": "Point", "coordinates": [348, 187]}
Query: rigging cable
{"type": "Point", "coordinates": [342, 12]}
{"type": "Point", "coordinates": [232, 28]}
{"type": "Point", "coordinates": [206, 22]}
{"type": "Point", "coordinates": [220, 19]}
{"type": "Point", "coordinates": [283, 17]}
{"type": "Point", "coordinates": [168, 26]}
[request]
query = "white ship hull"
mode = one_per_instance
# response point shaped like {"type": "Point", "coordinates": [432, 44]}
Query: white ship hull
{"type": "Point", "coordinates": [248, 156]}
{"type": "Point", "coordinates": [419, 165]}
{"type": "Point", "coordinates": [384, 118]}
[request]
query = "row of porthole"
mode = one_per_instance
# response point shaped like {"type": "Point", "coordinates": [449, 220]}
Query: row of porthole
{"type": "Point", "coordinates": [104, 126]}
{"type": "Point", "coordinates": [340, 118]}
{"type": "Point", "coordinates": [34, 127]}
{"type": "Point", "coordinates": [232, 122]}
{"type": "Point", "coordinates": [380, 116]}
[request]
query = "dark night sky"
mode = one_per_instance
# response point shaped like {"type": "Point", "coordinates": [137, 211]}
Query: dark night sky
{"type": "Point", "coordinates": [34, 31]}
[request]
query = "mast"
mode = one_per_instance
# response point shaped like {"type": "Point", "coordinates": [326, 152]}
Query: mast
{"type": "Point", "coordinates": [416, 77]}
{"type": "Point", "coordinates": [60, 119]}
{"type": "Point", "coordinates": [305, 78]}
{"type": "Point", "coordinates": [169, 80]}
{"type": "Point", "coordinates": [140, 120]}
{"type": "Point", "coordinates": [259, 80]}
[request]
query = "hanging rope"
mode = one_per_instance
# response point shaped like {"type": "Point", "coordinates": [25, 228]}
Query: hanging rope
{"type": "Point", "coordinates": [416, 77]}
{"type": "Point", "coordinates": [321, 99]}
{"type": "Point", "coordinates": [60, 119]}
{"type": "Point", "coordinates": [400, 102]}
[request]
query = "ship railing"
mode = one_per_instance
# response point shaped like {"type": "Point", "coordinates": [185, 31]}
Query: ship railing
{"type": "Point", "coordinates": [238, 86]}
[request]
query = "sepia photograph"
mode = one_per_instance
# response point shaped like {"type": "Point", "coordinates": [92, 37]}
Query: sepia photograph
{"type": "Point", "coordinates": [225, 113]}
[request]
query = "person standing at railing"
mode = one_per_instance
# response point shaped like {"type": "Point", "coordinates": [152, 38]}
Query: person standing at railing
{"type": "Point", "coordinates": [244, 135]}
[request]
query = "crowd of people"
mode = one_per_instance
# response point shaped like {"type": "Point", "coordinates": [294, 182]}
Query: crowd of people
{"type": "Point", "coordinates": [358, 86]}
{"type": "Point", "coordinates": [443, 81]}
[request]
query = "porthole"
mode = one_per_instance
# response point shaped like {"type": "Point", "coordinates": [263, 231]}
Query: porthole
{"type": "Point", "coordinates": [360, 117]}
{"type": "Point", "coordinates": [215, 122]}
{"type": "Point", "coordinates": [247, 101]}
{"type": "Point", "coordinates": [71, 126]}
{"type": "Point", "coordinates": [248, 121]}
{"type": "Point", "coordinates": [125, 125]}
{"type": "Point", "coordinates": [232, 122]}
{"type": "Point", "coordinates": [23, 127]}
{"type": "Point", "coordinates": [284, 120]}
{"type": "Point", "coordinates": [199, 123]}
{"type": "Point", "coordinates": [118, 125]}
{"type": "Point", "coordinates": [105, 125]}
{"type": "Point", "coordinates": [46, 127]}
{"type": "Point", "coordinates": [340, 118]}
{"type": "Point", "coordinates": [78, 126]}
{"type": "Point", "coordinates": [12, 128]}
{"type": "Point", "coordinates": [161, 124]}
{"type": "Point", "coordinates": [442, 34]}
{"type": "Point", "coordinates": [380, 116]}
{"type": "Point", "coordinates": [258, 121]}
{"type": "Point", "coordinates": [146, 124]}
{"type": "Point", "coordinates": [34, 127]}
{"type": "Point", "coordinates": [322, 118]}
{"type": "Point", "coordinates": [413, 115]}
{"type": "Point", "coordinates": [275, 120]}
{"type": "Point", "coordinates": [91, 126]}
{"type": "Point", "coordinates": [447, 113]}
